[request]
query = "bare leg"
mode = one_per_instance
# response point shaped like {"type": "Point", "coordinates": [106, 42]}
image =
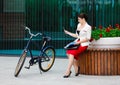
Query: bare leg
{"type": "Point", "coordinates": [70, 63]}
{"type": "Point", "coordinates": [75, 64]}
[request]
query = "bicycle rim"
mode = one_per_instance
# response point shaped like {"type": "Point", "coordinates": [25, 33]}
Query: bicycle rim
{"type": "Point", "coordinates": [46, 65]}
{"type": "Point", "coordinates": [20, 64]}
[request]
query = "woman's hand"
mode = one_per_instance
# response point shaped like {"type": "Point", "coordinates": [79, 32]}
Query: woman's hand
{"type": "Point", "coordinates": [71, 34]}
{"type": "Point", "coordinates": [66, 32]}
{"type": "Point", "coordinates": [77, 43]}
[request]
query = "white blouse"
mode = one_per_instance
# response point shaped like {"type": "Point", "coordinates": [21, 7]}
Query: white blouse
{"type": "Point", "coordinates": [85, 33]}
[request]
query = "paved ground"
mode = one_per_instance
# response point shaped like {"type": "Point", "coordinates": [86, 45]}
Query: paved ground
{"type": "Point", "coordinates": [52, 77]}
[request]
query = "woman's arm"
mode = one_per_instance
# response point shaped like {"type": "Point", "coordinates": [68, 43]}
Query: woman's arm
{"type": "Point", "coordinates": [71, 34]}
{"type": "Point", "coordinates": [84, 40]}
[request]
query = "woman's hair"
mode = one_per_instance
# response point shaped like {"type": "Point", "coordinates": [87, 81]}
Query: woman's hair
{"type": "Point", "coordinates": [83, 15]}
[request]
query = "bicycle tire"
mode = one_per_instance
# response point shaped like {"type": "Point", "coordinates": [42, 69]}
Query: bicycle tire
{"type": "Point", "coordinates": [45, 66]}
{"type": "Point", "coordinates": [20, 64]}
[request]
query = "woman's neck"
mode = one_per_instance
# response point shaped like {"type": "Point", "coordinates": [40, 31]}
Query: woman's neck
{"type": "Point", "coordinates": [83, 23]}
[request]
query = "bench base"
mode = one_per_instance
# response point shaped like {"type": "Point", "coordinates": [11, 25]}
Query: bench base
{"type": "Point", "coordinates": [103, 61]}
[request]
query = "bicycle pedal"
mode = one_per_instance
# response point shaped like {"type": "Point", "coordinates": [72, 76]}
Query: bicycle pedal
{"type": "Point", "coordinates": [27, 67]}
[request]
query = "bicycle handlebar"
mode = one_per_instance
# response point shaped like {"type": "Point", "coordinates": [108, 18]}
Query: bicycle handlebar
{"type": "Point", "coordinates": [26, 28]}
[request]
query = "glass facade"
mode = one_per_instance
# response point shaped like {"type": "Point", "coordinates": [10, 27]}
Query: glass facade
{"type": "Point", "coordinates": [51, 16]}
{"type": "Point", "coordinates": [54, 15]}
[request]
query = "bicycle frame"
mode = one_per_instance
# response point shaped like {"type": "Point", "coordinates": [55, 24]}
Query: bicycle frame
{"type": "Point", "coordinates": [34, 60]}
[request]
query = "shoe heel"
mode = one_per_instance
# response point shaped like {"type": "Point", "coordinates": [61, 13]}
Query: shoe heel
{"type": "Point", "coordinates": [66, 76]}
{"type": "Point", "coordinates": [78, 71]}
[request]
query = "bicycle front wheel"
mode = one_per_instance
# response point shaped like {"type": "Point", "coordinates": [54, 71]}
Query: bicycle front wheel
{"type": "Point", "coordinates": [20, 64]}
{"type": "Point", "coordinates": [47, 59]}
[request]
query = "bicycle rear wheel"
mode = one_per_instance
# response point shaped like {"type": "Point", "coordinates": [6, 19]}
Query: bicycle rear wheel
{"type": "Point", "coordinates": [47, 59]}
{"type": "Point", "coordinates": [20, 64]}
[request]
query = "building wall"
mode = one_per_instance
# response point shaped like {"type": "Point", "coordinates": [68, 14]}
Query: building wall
{"type": "Point", "coordinates": [61, 14]}
{"type": "Point", "coordinates": [11, 19]}
{"type": "Point", "coordinates": [52, 16]}
{"type": "Point", "coordinates": [13, 5]}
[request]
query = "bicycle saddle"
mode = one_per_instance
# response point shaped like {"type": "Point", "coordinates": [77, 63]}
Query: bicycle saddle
{"type": "Point", "coordinates": [46, 38]}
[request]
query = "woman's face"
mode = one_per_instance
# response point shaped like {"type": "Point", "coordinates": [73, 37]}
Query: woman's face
{"type": "Point", "coordinates": [80, 20]}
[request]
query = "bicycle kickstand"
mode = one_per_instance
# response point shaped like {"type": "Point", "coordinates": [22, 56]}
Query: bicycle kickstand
{"type": "Point", "coordinates": [40, 72]}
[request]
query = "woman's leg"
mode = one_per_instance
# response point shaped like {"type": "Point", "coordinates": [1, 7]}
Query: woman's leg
{"type": "Point", "coordinates": [75, 64]}
{"type": "Point", "coordinates": [70, 63]}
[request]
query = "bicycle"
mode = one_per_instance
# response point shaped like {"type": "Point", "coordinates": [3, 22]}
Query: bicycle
{"type": "Point", "coordinates": [45, 58]}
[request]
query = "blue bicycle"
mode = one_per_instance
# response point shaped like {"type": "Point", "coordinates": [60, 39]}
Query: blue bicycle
{"type": "Point", "coordinates": [45, 58]}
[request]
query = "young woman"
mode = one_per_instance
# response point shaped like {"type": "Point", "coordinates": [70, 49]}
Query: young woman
{"type": "Point", "coordinates": [82, 35]}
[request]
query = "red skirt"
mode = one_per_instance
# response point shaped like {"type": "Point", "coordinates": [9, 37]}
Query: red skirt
{"type": "Point", "coordinates": [76, 52]}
